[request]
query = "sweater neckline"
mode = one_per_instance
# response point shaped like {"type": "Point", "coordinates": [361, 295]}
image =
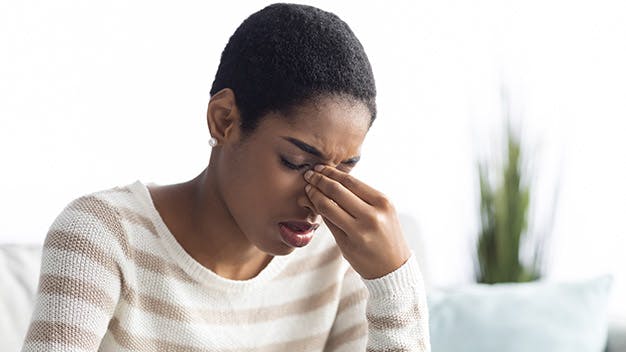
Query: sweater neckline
{"type": "Point", "coordinates": [191, 266]}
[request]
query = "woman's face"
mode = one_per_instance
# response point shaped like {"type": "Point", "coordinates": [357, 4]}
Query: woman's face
{"type": "Point", "coordinates": [261, 178]}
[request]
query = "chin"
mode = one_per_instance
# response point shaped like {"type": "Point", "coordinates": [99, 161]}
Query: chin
{"type": "Point", "coordinates": [273, 245]}
{"type": "Point", "coordinates": [280, 250]}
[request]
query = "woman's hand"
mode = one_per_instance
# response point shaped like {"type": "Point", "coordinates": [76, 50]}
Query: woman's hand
{"type": "Point", "coordinates": [363, 221]}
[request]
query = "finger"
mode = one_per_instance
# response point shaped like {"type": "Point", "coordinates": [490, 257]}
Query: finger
{"type": "Point", "coordinates": [356, 186]}
{"type": "Point", "coordinates": [334, 190]}
{"type": "Point", "coordinates": [327, 208]}
{"type": "Point", "coordinates": [336, 231]}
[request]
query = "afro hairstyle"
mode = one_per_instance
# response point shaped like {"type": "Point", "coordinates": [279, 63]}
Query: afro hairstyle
{"type": "Point", "coordinates": [285, 55]}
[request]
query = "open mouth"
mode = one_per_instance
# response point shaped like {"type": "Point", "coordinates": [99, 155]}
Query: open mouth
{"type": "Point", "coordinates": [300, 227]}
{"type": "Point", "coordinates": [297, 233]}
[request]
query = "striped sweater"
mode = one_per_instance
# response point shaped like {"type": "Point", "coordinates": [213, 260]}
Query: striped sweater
{"type": "Point", "coordinates": [113, 278]}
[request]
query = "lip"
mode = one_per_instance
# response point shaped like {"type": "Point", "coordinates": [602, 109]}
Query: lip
{"type": "Point", "coordinates": [297, 233]}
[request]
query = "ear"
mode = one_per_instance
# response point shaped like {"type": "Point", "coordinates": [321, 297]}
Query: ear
{"type": "Point", "coordinates": [223, 116]}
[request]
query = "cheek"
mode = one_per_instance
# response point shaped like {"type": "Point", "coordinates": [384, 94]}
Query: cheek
{"type": "Point", "coordinates": [282, 189]}
{"type": "Point", "coordinates": [284, 184]}
{"type": "Point", "coordinates": [260, 184]}
{"type": "Point", "coordinates": [291, 182]}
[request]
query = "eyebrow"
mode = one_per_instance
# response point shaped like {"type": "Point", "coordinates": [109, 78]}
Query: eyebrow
{"type": "Point", "coordinates": [313, 151]}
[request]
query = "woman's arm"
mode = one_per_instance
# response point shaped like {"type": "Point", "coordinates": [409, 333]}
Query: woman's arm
{"type": "Point", "coordinates": [391, 311]}
{"type": "Point", "coordinates": [80, 280]}
{"type": "Point", "coordinates": [397, 313]}
{"type": "Point", "coordinates": [367, 230]}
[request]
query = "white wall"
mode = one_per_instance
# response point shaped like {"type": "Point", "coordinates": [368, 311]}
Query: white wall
{"type": "Point", "coordinates": [97, 94]}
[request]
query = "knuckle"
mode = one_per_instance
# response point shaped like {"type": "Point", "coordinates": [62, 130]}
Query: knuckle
{"type": "Point", "coordinates": [324, 206]}
{"type": "Point", "coordinates": [313, 195]}
{"type": "Point", "coordinates": [383, 202]}
{"type": "Point", "coordinates": [381, 218]}
{"type": "Point", "coordinates": [347, 181]}
{"type": "Point", "coordinates": [315, 179]}
{"type": "Point", "coordinates": [370, 219]}
{"type": "Point", "coordinates": [375, 220]}
{"type": "Point", "coordinates": [325, 170]}
{"type": "Point", "coordinates": [334, 189]}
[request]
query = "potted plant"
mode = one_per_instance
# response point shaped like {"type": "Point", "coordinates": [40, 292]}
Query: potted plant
{"type": "Point", "coordinates": [505, 196]}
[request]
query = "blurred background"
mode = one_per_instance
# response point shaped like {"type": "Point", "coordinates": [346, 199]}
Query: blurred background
{"type": "Point", "coordinates": [99, 94]}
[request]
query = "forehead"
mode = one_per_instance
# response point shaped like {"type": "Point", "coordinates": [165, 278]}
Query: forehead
{"type": "Point", "coordinates": [334, 126]}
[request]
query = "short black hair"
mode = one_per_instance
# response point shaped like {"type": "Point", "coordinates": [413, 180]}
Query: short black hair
{"type": "Point", "coordinates": [287, 54]}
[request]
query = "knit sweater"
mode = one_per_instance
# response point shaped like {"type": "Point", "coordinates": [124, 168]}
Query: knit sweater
{"type": "Point", "coordinates": [114, 278]}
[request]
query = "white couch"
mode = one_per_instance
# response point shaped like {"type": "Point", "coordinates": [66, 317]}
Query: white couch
{"type": "Point", "coordinates": [19, 274]}
{"type": "Point", "coordinates": [19, 269]}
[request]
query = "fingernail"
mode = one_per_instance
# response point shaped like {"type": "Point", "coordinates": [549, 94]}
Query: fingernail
{"type": "Point", "coordinates": [307, 188]}
{"type": "Point", "coordinates": [318, 168]}
{"type": "Point", "coordinates": [308, 174]}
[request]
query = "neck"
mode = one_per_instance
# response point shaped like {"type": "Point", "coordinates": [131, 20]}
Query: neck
{"type": "Point", "coordinates": [212, 236]}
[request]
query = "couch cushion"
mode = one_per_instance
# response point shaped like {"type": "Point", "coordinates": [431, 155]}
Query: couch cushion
{"type": "Point", "coordinates": [524, 317]}
{"type": "Point", "coordinates": [19, 275]}
{"type": "Point", "coordinates": [617, 335]}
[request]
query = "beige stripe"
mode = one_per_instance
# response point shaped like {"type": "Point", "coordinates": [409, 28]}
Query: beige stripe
{"type": "Point", "coordinates": [148, 260]}
{"type": "Point", "coordinates": [310, 263]}
{"type": "Point", "coordinates": [78, 289]}
{"type": "Point", "coordinates": [110, 218]}
{"type": "Point", "coordinates": [61, 333]}
{"type": "Point", "coordinates": [132, 215]}
{"type": "Point", "coordinates": [139, 343]}
{"type": "Point", "coordinates": [138, 219]}
{"type": "Point", "coordinates": [255, 315]}
{"type": "Point", "coordinates": [348, 335]}
{"type": "Point", "coordinates": [422, 344]}
{"type": "Point", "coordinates": [352, 299]}
{"type": "Point", "coordinates": [107, 216]}
{"type": "Point", "coordinates": [158, 307]}
{"type": "Point", "coordinates": [386, 322]}
{"type": "Point", "coordinates": [160, 266]}
{"type": "Point", "coordinates": [69, 241]}
{"type": "Point", "coordinates": [389, 349]}
{"type": "Point", "coordinates": [311, 343]}
{"type": "Point", "coordinates": [218, 317]}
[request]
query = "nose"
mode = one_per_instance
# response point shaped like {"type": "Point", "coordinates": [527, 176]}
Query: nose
{"type": "Point", "coordinates": [304, 202]}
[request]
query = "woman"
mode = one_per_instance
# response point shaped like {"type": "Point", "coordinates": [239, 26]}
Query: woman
{"type": "Point", "coordinates": [237, 258]}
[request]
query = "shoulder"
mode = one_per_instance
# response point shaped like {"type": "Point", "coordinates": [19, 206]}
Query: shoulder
{"type": "Point", "coordinates": [107, 208]}
{"type": "Point", "coordinates": [91, 211]}
{"type": "Point", "coordinates": [96, 219]}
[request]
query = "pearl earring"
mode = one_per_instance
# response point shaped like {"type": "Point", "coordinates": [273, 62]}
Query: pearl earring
{"type": "Point", "coordinates": [212, 142]}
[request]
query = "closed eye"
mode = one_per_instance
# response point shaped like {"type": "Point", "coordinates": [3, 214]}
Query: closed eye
{"type": "Point", "coordinates": [293, 166]}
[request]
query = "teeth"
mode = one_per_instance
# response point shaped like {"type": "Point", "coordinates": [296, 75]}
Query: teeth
{"type": "Point", "coordinates": [296, 228]}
